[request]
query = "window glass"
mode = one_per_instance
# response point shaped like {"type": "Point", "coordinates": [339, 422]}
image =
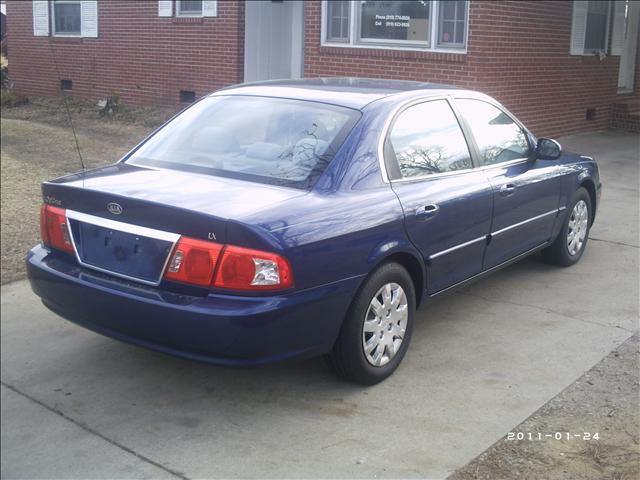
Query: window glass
{"type": "Point", "coordinates": [268, 140]}
{"type": "Point", "coordinates": [597, 16]}
{"type": "Point", "coordinates": [394, 21]}
{"type": "Point", "coordinates": [67, 17]}
{"type": "Point", "coordinates": [499, 138]}
{"type": "Point", "coordinates": [452, 19]}
{"type": "Point", "coordinates": [190, 7]}
{"type": "Point", "coordinates": [397, 24]}
{"type": "Point", "coordinates": [427, 139]}
{"type": "Point", "coordinates": [338, 21]}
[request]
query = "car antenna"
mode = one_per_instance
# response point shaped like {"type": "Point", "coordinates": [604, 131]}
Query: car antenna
{"type": "Point", "coordinates": [66, 106]}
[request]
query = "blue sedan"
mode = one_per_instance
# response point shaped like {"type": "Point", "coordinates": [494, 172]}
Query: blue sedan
{"type": "Point", "coordinates": [298, 218]}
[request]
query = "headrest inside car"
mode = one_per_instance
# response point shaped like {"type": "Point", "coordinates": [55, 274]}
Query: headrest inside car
{"type": "Point", "coordinates": [214, 140]}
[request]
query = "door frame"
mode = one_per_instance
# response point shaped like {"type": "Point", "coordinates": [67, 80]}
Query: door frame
{"type": "Point", "coordinates": [628, 57]}
{"type": "Point", "coordinates": [296, 26]}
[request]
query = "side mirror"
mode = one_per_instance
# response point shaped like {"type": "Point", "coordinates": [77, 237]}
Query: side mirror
{"type": "Point", "coordinates": [548, 149]}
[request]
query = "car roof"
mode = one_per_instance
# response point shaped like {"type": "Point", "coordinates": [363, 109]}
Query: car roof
{"type": "Point", "coordinates": [349, 92]}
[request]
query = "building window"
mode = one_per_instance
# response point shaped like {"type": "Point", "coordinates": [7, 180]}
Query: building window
{"type": "Point", "coordinates": [189, 8]}
{"type": "Point", "coordinates": [595, 38]}
{"type": "Point", "coordinates": [338, 21]}
{"type": "Point", "coordinates": [452, 24]}
{"type": "Point", "coordinates": [403, 22]}
{"type": "Point", "coordinates": [590, 27]}
{"type": "Point", "coordinates": [67, 17]}
{"type": "Point", "coordinates": [408, 24]}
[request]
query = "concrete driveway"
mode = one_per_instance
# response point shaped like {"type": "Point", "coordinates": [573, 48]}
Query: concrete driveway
{"type": "Point", "coordinates": [75, 404]}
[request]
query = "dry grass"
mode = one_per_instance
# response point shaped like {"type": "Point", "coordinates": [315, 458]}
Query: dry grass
{"type": "Point", "coordinates": [604, 400]}
{"type": "Point", "coordinates": [37, 144]}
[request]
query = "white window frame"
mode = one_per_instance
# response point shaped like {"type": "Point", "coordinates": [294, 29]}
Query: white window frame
{"type": "Point", "coordinates": [578, 36]}
{"type": "Point", "coordinates": [431, 45]}
{"type": "Point", "coordinates": [325, 15]}
{"type": "Point", "coordinates": [53, 18]}
{"type": "Point", "coordinates": [189, 15]}
{"type": "Point", "coordinates": [453, 45]}
{"type": "Point", "coordinates": [595, 51]}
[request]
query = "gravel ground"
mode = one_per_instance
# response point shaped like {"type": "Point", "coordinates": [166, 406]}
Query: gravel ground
{"type": "Point", "coordinates": [603, 401]}
{"type": "Point", "coordinates": [37, 144]}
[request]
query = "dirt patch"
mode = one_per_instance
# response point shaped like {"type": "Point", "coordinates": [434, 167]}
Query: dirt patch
{"type": "Point", "coordinates": [603, 401]}
{"type": "Point", "coordinates": [37, 144]}
{"type": "Point", "coordinates": [53, 112]}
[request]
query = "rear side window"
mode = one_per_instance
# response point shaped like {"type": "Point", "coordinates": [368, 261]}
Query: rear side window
{"type": "Point", "coordinates": [498, 137]}
{"type": "Point", "coordinates": [262, 139]}
{"type": "Point", "coordinates": [427, 139]}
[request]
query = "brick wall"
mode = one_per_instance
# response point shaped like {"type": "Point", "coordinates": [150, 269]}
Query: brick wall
{"type": "Point", "coordinates": [145, 58]}
{"type": "Point", "coordinates": [518, 53]}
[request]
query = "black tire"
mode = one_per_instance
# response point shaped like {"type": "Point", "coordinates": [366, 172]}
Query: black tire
{"type": "Point", "coordinates": [558, 252]}
{"type": "Point", "coordinates": [348, 357]}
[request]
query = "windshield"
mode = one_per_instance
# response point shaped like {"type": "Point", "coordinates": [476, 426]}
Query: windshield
{"type": "Point", "coordinates": [269, 140]}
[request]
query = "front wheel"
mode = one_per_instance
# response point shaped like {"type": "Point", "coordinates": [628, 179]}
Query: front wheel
{"type": "Point", "coordinates": [569, 246]}
{"type": "Point", "coordinates": [377, 330]}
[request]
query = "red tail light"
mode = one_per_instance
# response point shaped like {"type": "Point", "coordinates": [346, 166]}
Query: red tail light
{"type": "Point", "coordinates": [53, 228]}
{"type": "Point", "coordinates": [193, 261]}
{"type": "Point", "coordinates": [246, 269]}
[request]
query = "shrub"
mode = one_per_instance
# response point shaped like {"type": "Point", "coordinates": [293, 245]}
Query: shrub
{"type": "Point", "coordinates": [110, 105]}
{"type": "Point", "coordinates": [9, 99]}
{"type": "Point", "coordinates": [4, 72]}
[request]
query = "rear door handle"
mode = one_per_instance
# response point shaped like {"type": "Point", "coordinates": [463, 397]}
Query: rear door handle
{"type": "Point", "coordinates": [507, 189]}
{"type": "Point", "coordinates": [428, 211]}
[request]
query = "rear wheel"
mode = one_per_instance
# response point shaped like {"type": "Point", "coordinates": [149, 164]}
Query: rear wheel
{"type": "Point", "coordinates": [569, 246]}
{"type": "Point", "coordinates": [376, 333]}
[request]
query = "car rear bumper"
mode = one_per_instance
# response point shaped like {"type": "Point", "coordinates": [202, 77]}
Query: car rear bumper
{"type": "Point", "coordinates": [220, 329]}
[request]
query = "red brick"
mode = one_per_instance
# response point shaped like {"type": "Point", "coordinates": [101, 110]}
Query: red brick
{"type": "Point", "coordinates": [518, 52]}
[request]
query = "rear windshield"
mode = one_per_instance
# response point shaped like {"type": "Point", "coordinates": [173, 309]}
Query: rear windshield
{"type": "Point", "coordinates": [268, 140]}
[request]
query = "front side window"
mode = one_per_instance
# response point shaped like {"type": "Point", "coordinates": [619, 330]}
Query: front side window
{"type": "Point", "coordinates": [189, 8]}
{"type": "Point", "coordinates": [498, 137]}
{"type": "Point", "coordinates": [414, 24]}
{"type": "Point", "coordinates": [267, 140]}
{"type": "Point", "coordinates": [427, 139]}
{"type": "Point", "coordinates": [67, 17]}
{"type": "Point", "coordinates": [595, 38]}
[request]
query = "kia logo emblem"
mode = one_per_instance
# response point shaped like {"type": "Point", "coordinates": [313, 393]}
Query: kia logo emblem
{"type": "Point", "coordinates": [114, 208]}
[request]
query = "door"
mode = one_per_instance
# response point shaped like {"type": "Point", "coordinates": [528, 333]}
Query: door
{"type": "Point", "coordinates": [274, 40]}
{"type": "Point", "coordinates": [447, 204]}
{"type": "Point", "coordinates": [526, 192]}
{"type": "Point", "coordinates": [629, 47]}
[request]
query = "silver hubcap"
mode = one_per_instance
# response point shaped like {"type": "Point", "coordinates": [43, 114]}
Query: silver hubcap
{"type": "Point", "coordinates": [385, 324]}
{"type": "Point", "coordinates": [577, 231]}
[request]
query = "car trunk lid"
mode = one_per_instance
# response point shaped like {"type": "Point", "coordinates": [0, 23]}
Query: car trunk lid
{"type": "Point", "coordinates": [126, 219]}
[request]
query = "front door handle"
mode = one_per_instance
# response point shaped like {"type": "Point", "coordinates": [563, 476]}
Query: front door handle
{"type": "Point", "coordinates": [427, 211]}
{"type": "Point", "coordinates": [507, 189]}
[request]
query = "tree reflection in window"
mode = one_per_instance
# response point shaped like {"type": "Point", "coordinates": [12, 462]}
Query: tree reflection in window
{"type": "Point", "coordinates": [427, 139]}
{"type": "Point", "coordinates": [498, 137]}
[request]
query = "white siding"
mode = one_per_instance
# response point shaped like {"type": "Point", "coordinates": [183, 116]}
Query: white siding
{"type": "Point", "coordinates": [41, 18]}
{"type": "Point", "coordinates": [89, 15]}
{"type": "Point", "coordinates": [165, 8]}
{"type": "Point", "coordinates": [578, 27]}
{"type": "Point", "coordinates": [209, 8]}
